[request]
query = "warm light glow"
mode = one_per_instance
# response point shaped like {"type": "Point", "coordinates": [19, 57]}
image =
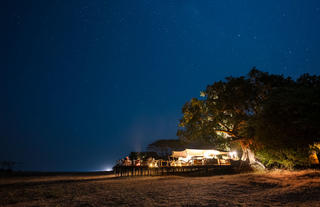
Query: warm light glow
{"type": "Point", "coordinates": [210, 153]}
{"type": "Point", "coordinates": [184, 159]}
{"type": "Point", "coordinates": [233, 154]}
{"type": "Point", "coordinates": [188, 156]}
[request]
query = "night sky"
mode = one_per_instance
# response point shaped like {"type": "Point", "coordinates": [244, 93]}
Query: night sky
{"type": "Point", "coordinates": [83, 83]}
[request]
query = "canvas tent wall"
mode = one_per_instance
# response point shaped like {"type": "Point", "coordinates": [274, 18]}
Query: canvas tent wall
{"type": "Point", "coordinates": [188, 153]}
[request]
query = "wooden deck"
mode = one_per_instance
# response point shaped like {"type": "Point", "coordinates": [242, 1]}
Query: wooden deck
{"type": "Point", "coordinates": [184, 170]}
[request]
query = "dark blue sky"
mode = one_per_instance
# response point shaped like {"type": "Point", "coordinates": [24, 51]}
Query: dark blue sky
{"type": "Point", "coordinates": [85, 82]}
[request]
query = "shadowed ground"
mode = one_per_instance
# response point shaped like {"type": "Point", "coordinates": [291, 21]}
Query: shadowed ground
{"type": "Point", "coordinates": [277, 188]}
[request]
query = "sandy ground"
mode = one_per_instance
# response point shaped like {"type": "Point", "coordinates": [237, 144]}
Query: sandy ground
{"type": "Point", "coordinates": [276, 188]}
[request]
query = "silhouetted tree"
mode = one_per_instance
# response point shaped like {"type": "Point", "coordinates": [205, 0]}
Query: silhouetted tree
{"type": "Point", "coordinates": [164, 147]}
{"type": "Point", "coordinates": [7, 166]}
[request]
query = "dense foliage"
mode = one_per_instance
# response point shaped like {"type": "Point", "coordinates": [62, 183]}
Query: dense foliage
{"type": "Point", "coordinates": [273, 116]}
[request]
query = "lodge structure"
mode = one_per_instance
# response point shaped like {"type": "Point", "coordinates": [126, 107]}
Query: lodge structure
{"type": "Point", "coordinates": [201, 161]}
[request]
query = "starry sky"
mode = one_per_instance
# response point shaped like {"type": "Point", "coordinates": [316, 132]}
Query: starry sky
{"type": "Point", "coordinates": [84, 82]}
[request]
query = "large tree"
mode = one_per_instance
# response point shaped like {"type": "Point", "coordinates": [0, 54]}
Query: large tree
{"type": "Point", "coordinates": [228, 110]}
{"type": "Point", "coordinates": [288, 126]}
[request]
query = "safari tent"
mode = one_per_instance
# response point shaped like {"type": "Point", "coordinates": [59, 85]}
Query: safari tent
{"type": "Point", "coordinates": [188, 154]}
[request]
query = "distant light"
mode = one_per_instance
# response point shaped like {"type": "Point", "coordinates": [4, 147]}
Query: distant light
{"type": "Point", "coordinates": [108, 169]}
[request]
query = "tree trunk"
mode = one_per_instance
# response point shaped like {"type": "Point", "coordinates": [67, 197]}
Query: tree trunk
{"type": "Point", "coordinates": [247, 154]}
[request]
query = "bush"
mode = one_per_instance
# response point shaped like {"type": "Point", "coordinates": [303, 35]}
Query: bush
{"type": "Point", "coordinates": [288, 158]}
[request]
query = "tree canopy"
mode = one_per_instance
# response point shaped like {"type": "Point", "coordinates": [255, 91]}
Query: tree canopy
{"type": "Point", "coordinates": [260, 111]}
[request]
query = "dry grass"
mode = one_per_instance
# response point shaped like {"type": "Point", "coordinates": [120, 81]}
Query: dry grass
{"type": "Point", "coordinates": [276, 188]}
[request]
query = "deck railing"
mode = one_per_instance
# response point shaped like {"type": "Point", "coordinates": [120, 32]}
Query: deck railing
{"type": "Point", "coordinates": [171, 170]}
